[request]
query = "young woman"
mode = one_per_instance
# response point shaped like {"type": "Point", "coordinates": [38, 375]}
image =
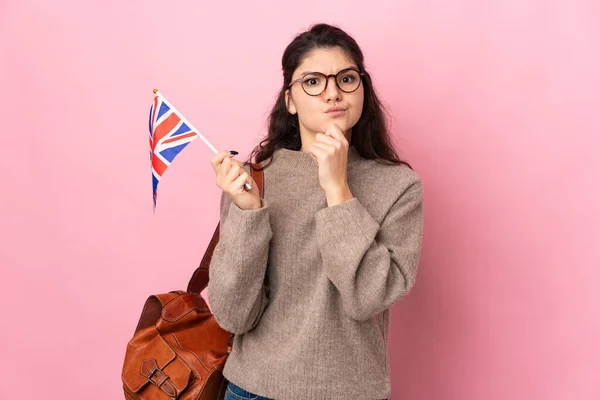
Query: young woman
{"type": "Point", "coordinates": [304, 277]}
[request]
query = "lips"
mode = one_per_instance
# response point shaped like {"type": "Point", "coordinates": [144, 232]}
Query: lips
{"type": "Point", "coordinates": [335, 110]}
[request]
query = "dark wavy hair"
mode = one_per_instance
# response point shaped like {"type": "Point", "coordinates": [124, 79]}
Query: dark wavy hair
{"type": "Point", "coordinates": [370, 135]}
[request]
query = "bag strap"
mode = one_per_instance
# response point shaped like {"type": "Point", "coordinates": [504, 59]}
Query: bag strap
{"type": "Point", "coordinates": [199, 279]}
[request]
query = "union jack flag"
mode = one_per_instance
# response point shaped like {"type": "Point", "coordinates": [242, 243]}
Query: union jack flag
{"type": "Point", "coordinates": [169, 134]}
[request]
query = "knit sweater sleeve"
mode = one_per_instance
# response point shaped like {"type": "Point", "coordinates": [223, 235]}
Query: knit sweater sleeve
{"type": "Point", "coordinates": [371, 265]}
{"type": "Point", "coordinates": [237, 292]}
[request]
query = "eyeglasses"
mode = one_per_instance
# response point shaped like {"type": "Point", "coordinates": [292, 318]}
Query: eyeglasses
{"type": "Point", "coordinates": [315, 83]}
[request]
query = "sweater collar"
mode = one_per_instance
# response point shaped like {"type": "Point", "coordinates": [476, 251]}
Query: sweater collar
{"type": "Point", "coordinates": [302, 160]}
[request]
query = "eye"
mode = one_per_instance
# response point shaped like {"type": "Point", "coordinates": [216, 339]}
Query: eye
{"type": "Point", "coordinates": [311, 81]}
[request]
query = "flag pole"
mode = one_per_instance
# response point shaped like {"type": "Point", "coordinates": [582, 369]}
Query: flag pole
{"type": "Point", "coordinates": [156, 92]}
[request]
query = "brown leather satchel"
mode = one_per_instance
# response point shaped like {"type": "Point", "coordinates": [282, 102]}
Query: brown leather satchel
{"type": "Point", "coordinates": [178, 350]}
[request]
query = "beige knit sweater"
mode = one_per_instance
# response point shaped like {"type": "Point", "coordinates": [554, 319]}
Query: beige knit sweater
{"type": "Point", "coordinates": [306, 287]}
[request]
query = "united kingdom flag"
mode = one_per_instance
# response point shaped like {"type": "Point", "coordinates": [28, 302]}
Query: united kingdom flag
{"type": "Point", "coordinates": [169, 134]}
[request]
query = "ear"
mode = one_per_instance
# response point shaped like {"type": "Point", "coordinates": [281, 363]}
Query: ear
{"type": "Point", "coordinates": [290, 103]}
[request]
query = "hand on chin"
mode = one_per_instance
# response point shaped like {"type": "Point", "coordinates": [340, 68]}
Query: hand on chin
{"type": "Point", "coordinates": [335, 122]}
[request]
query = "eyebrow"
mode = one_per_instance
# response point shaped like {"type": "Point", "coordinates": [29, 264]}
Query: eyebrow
{"type": "Point", "coordinates": [309, 72]}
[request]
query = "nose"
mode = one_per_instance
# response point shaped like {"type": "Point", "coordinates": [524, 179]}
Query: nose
{"type": "Point", "coordinates": [332, 91]}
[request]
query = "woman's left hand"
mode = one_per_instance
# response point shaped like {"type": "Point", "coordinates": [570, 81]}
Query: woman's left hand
{"type": "Point", "coordinates": [330, 151]}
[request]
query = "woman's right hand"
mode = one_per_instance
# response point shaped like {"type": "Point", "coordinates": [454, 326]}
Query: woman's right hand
{"type": "Point", "coordinates": [231, 177]}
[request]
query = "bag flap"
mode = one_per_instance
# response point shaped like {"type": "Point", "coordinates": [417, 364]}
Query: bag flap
{"type": "Point", "coordinates": [143, 357]}
{"type": "Point", "coordinates": [183, 305]}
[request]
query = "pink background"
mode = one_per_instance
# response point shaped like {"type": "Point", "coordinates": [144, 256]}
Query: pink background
{"type": "Point", "coordinates": [494, 103]}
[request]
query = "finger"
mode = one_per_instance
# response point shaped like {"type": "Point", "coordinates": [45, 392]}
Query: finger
{"type": "Point", "coordinates": [241, 180]}
{"type": "Point", "coordinates": [251, 181]}
{"type": "Point", "coordinates": [233, 173]}
{"type": "Point", "coordinates": [327, 148]}
{"type": "Point", "coordinates": [224, 167]}
{"type": "Point", "coordinates": [336, 132]}
{"type": "Point", "coordinates": [339, 137]}
{"type": "Point", "coordinates": [327, 139]}
{"type": "Point", "coordinates": [335, 128]}
{"type": "Point", "coordinates": [236, 162]}
{"type": "Point", "coordinates": [317, 151]}
{"type": "Point", "coordinates": [218, 158]}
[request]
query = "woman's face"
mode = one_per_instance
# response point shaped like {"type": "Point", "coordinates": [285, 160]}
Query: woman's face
{"type": "Point", "coordinates": [315, 113]}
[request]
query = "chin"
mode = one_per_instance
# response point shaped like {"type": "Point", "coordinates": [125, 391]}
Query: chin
{"type": "Point", "coordinates": [345, 126]}
{"type": "Point", "coordinates": [341, 122]}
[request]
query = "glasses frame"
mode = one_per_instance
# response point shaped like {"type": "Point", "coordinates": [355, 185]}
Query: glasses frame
{"type": "Point", "coordinates": [299, 80]}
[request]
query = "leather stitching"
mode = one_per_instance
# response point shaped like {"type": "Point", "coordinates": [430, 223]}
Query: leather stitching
{"type": "Point", "coordinates": [191, 352]}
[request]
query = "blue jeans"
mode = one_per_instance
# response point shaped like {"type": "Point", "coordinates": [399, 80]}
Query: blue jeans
{"type": "Point", "coordinates": [235, 392]}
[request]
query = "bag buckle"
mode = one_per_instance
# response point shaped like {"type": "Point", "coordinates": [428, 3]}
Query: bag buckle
{"type": "Point", "coordinates": [151, 373]}
{"type": "Point", "coordinates": [161, 380]}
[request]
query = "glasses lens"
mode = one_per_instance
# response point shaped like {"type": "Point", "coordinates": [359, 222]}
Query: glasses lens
{"type": "Point", "coordinates": [314, 83]}
{"type": "Point", "coordinates": [348, 80]}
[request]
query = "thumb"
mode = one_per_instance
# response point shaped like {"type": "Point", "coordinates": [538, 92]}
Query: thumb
{"type": "Point", "coordinates": [335, 131]}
